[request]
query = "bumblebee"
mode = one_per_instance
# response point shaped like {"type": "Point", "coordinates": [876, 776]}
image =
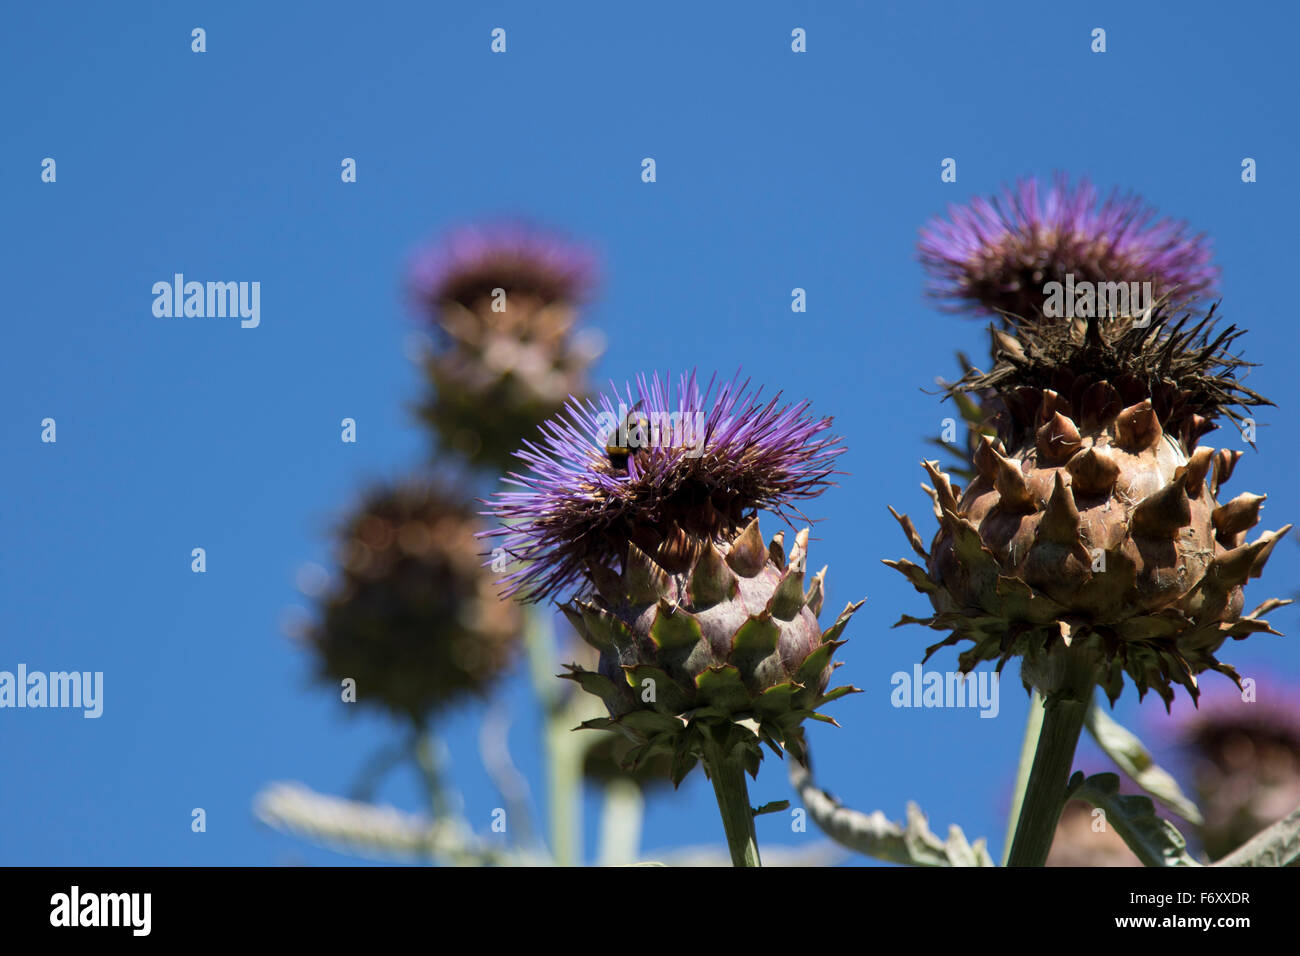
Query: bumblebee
{"type": "Point", "coordinates": [623, 442]}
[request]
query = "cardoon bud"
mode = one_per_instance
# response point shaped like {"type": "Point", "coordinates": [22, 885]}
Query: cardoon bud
{"type": "Point", "coordinates": [414, 618]}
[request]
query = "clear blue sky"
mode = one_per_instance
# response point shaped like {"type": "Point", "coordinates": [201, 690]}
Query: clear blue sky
{"type": "Point", "coordinates": [775, 170]}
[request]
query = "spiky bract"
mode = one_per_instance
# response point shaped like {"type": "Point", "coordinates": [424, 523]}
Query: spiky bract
{"type": "Point", "coordinates": [729, 647]}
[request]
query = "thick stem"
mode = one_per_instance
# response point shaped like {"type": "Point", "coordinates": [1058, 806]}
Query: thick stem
{"type": "Point", "coordinates": [428, 757]}
{"type": "Point", "coordinates": [1063, 716]}
{"type": "Point", "coordinates": [564, 754]}
{"type": "Point", "coordinates": [1033, 729]}
{"type": "Point", "coordinates": [732, 792]}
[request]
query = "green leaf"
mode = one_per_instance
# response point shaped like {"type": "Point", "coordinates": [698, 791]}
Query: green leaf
{"type": "Point", "coordinates": [1134, 759]}
{"type": "Point", "coordinates": [876, 835]}
{"type": "Point", "coordinates": [1156, 842]}
{"type": "Point", "coordinates": [1278, 845]}
{"type": "Point", "coordinates": [775, 806]}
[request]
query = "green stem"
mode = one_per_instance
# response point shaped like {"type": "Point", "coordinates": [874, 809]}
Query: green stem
{"type": "Point", "coordinates": [1063, 717]}
{"type": "Point", "coordinates": [1033, 729]}
{"type": "Point", "coordinates": [620, 823]}
{"type": "Point", "coordinates": [732, 792]}
{"type": "Point", "coordinates": [564, 756]}
{"type": "Point", "coordinates": [426, 755]}
{"type": "Point", "coordinates": [565, 750]}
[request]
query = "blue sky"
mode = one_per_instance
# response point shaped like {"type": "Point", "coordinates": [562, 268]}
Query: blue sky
{"type": "Point", "coordinates": [775, 170]}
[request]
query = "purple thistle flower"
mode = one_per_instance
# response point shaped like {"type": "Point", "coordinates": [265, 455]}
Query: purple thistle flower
{"type": "Point", "coordinates": [1221, 713]}
{"type": "Point", "coordinates": [1243, 759]}
{"type": "Point", "coordinates": [664, 468]}
{"type": "Point", "coordinates": [998, 253]}
{"type": "Point", "coordinates": [523, 259]}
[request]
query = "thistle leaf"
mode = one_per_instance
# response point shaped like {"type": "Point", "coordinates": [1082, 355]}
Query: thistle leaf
{"type": "Point", "coordinates": [1156, 842]}
{"type": "Point", "coordinates": [1136, 761]}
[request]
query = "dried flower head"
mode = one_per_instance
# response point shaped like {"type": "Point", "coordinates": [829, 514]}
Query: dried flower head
{"type": "Point", "coordinates": [414, 618]}
{"type": "Point", "coordinates": [1095, 528]}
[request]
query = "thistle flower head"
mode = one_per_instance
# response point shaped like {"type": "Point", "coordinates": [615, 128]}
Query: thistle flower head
{"type": "Point", "coordinates": [1244, 752]}
{"type": "Point", "coordinates": [1271, 712]}
{"type": "Point", "coordinates": [658, 467]}
{"type": "Point", "coordinates": [474, 260]}
{"type": "Point", "coordinates": [1095, 532]}
{"type": "Point", "coordinates": [999, 253]}
{"type": "Point", "coordinates": [502, 300]}
{"type": "Point", "coordinates": [707, 638]}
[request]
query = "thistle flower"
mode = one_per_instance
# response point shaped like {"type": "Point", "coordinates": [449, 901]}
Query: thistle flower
{"type": "Point", "coordinates": [645, 505]}
{"type": "Point", "coordinates": [414, 619]}
{"type": "Point", "coordinates": [502, 301]}
{"type": "Point", "coordinates": [1245, 755]}
{"type": "Point", "coordinates": [997, 254]}
{"type": "Point", "coordinates": [1093, 535]}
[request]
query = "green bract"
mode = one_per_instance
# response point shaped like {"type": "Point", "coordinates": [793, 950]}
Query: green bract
{"type": "Point", "coordinates": [729, 648]}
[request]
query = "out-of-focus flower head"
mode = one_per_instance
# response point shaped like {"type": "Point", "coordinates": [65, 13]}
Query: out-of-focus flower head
{"type": "Point", "coordinates": [1084, 839]}
{"type": "Point", "coordinates": [501, 300]}
{"type": "Point", "coordinates": [414, 618]}
{"type": "Point", "coordinates": [1244, 751]}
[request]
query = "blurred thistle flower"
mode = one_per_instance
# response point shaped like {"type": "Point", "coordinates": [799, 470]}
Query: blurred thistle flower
{"type": "Point", "coordinates": [1084, 839]}
{"type": "Point", "coordinates": [501, 300]}
{"type": "Point", "coordinates": [997, 254]}
{"type": "Point", "coordinates": [646, 504]}
{"type": "Point", "coordinates": [414, 619]}
{"type": "Point", "coordinates": [1245, 756]}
